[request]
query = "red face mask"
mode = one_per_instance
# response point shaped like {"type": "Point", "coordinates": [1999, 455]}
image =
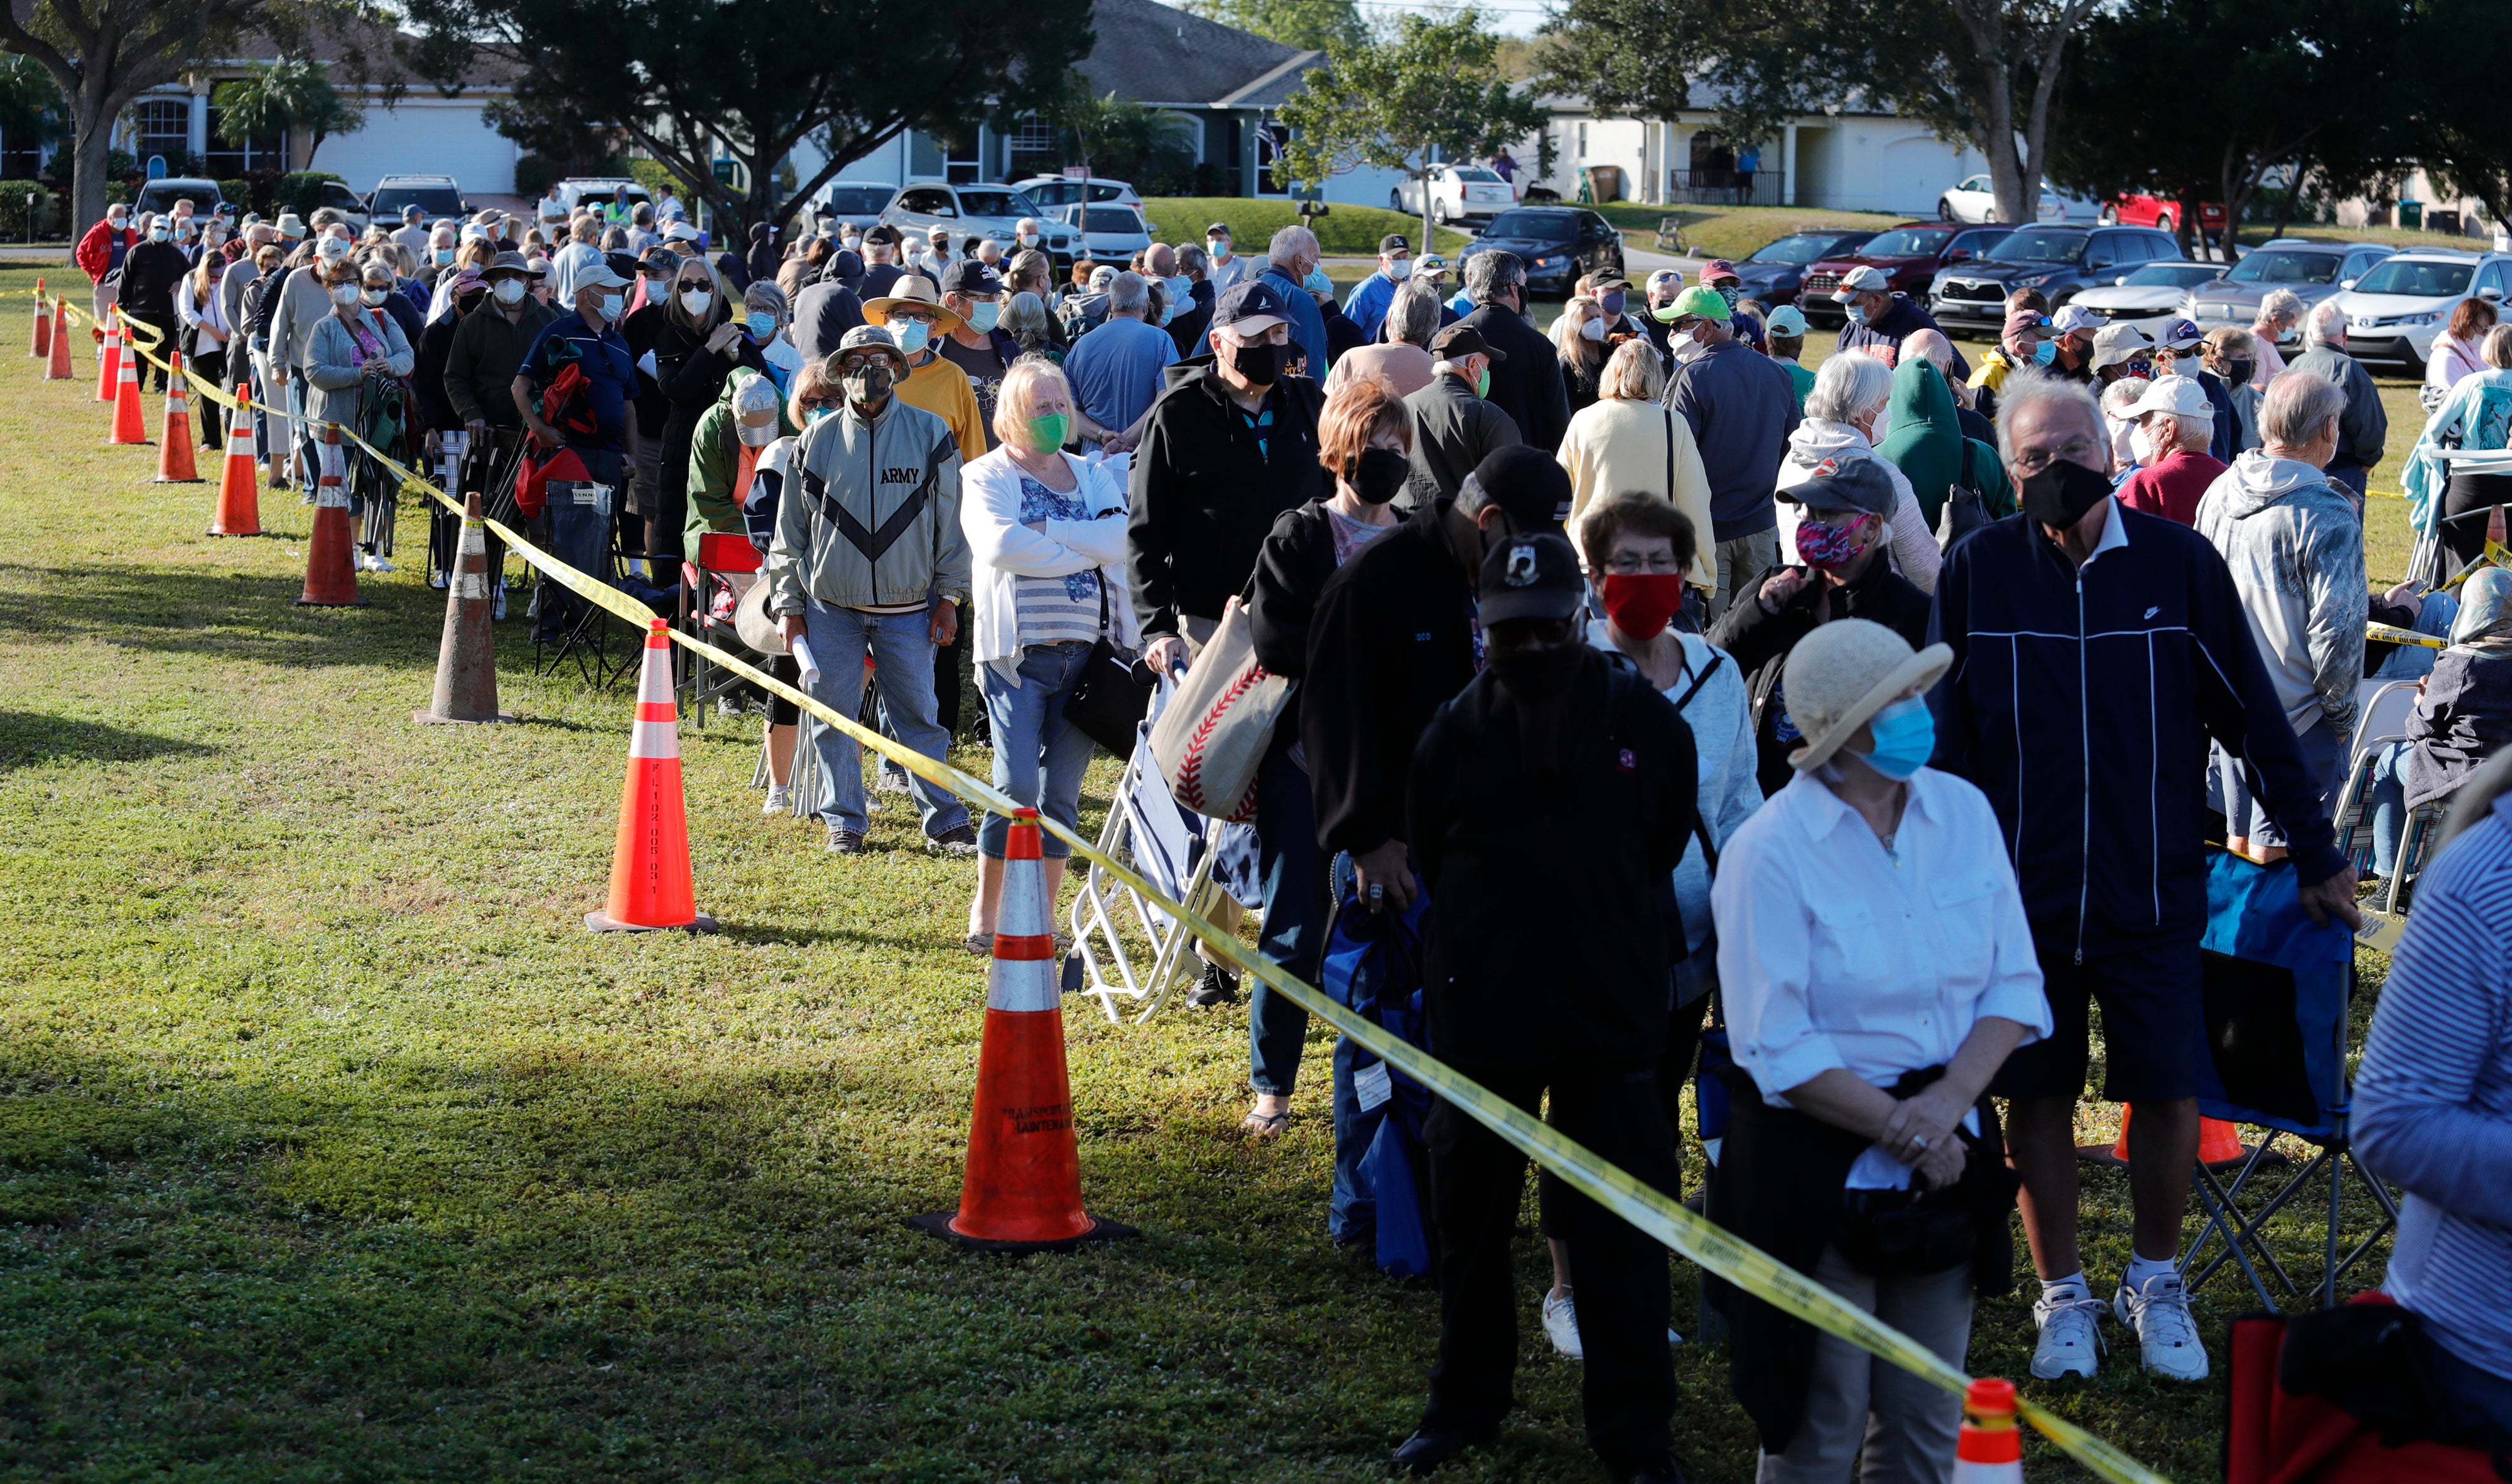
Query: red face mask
{"type": "Point", "coordinates": [1642, 602]}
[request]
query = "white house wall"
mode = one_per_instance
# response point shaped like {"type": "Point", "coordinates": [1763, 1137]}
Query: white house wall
{"type": "Point", "coordinates": [424, 136]}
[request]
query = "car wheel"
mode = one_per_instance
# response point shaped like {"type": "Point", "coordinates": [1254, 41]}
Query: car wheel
{"type": "Point", "coordinates": [1440, 210]}
{"type": "Point", "coordinates": [1395, 200]}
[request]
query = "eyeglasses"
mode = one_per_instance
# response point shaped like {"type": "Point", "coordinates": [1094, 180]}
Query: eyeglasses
{"type": "Point", "coordinates": [855, 364]}
{"type": "Point", "coordinates": [1629, 565]}
{"type": "Point", "coordinates": [2074, 450]}
{"type": "Point", "coordinates": [814, 403]}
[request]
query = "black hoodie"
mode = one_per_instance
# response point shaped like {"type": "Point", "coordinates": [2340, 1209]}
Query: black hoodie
{"type": "Point", "coordinates": [1205, 496]}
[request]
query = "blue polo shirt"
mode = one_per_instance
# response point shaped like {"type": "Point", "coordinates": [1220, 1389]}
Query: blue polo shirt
{"type": "Point", "coordinates": [1307, 323]}
{"type": "Point", "coordinates": [610, 372]}
{"type": "Point", "coordinates": [1369, 303]}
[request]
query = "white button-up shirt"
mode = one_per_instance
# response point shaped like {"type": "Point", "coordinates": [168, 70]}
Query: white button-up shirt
{"type": "Point", "coordinates": [1833, 953]}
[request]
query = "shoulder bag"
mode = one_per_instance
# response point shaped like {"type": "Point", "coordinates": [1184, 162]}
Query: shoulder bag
{"type": "Point", "coordinates": [1108, 703]}
{"type": "Point", "coordinates": [1215, 731]}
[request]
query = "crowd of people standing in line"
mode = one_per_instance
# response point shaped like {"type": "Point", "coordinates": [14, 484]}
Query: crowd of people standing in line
{"type": "Point", "coordinates": [1881, 706]}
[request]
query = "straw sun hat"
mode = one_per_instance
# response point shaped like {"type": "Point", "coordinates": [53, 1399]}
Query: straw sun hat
{"type": "Point", "coordinates": [1845, 672]}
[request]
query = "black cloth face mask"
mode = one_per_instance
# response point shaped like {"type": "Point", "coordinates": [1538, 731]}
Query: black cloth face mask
{"type": "Point", "coordinates": [1259, 361]}
{"type": "Point", "coordinates": [1378, 475]}
{"type": "Point", "coordinates": [2059, 494]}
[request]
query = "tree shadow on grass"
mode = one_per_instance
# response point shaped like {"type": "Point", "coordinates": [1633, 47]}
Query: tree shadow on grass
{"type": "Point", "coordinates": [32, 737]}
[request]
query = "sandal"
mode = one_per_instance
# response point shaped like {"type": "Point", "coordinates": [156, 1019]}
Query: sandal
{"type": "Point", "coordinates": [1258, 1125]}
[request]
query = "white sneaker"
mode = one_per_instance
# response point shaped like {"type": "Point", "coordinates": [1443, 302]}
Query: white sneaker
{"type": "Point", "coordinates": [2072, 1337]}
{"type": "Point", "coordinates": [1562, 1325]}
{"type": "Point", "coordinates": [378, 565]}
{"type": "Point", "coordinates": [779, 800]}
{"type": "Point", "coordinates": [2167, 1336]}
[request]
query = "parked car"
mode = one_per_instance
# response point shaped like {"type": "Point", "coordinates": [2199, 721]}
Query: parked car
{"type": "Point", "coordinates": [860, 201]}
{"type": "Point", "coordinates": [1112, 233]}
{"type": "Point", "coordinates": [601, 192]}
{"type": "Point", "coordinates": [2394, 312]}
{"type": "Point", "coordinates": [1457, 193]}
{"type": "Point", "coordinates": [1975, 201]}
{"type": "Point", "coordinates": [1051, 191]}
{"type": "Point", "coordinates": [2152, 297]}
{"type": "Point", "coordinates": [351, 206]}
{"type": "Point", "coordinates": [160, 195]}
{"type": "Point", "coordinates": [2126, 210]}
{"type": "Point", "coordinates": [1910, 255]}
{"type": "Point", "coordinates": [436, 195]}
{"type": "Point", "coordinates": [1775, 272]}
{"type": "Point", "coordinates": [1558, 243]}
{"type": "Point", "coordinates": [2062, 262]}
{"type": "Point", "coordinates": [978, 210]}
{"type": "Point", "coordinates": [2313, 270]}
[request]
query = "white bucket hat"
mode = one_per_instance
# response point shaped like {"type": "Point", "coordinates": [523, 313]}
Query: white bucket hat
{"type": "Point", "coordinates": [1845, 672]}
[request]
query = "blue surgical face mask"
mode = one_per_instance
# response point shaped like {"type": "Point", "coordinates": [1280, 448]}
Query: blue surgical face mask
{"type": "Point", "coordinates": [762, 323]}
{"type": "Point", "coordinates": [612, 305]}
{"type": "Point", "coordinates": [815, 414]}
{"type": "Point", "coordinates": [1317, 282]}
{"type": "Point", "coordinates": [910, 334]}
{"type": "Point", "coordinates": [1857, 313]}
{"type": "Point", "coordinates": [2045, 352]}
{"type": "Point", "coordinates": [1905, 737]}
{"type": "Point", "coordinates": [443, 255]}
{"type": "Point", "coordinates": [983, 317]}
{"type": "Point", "coordinates": [1181, 288]}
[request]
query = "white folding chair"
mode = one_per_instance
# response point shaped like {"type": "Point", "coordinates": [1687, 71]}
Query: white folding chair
{"type": "Point", "coordinates": [2382, 712]}
{"type": "Point", "coordinates": [1162, 842]}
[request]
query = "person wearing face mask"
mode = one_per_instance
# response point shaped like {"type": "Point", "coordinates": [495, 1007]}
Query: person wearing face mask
{"type": "Point", "coordinates": [892, 468]}
{"type": "Point", "coordinates": [2178, 351]}
{"type": "Point", "coordinates": [352, 352]}
{"type": "Point", "coordinates": [2072, 328]}
{"type": "Point", "coordinates": [151, 273]}
{"type": "Point", "coordinates": [1877, 318]}
{"type": "Point", "coordinates": [1527, 385]}
{"type": "Point", "coordinates": [207, 329]}
{"type": "Point", "coordinates": [2097, 650]}
{"type": "Point", "coordinates": [882, 269]}
{"type": "Point", "coordinates": [1851, 396]}
{"type": "Point", "coordinates": [978, 345]}
{"type": "Point", "coordinates": [1742, 409]}
{"type": "Point", "coordinates": [1579, 349]}
{"type": "Point", "coordinates": [304, 301]}
{"type": "Point", "coordinates": [100, 250]}
{"type": "Point", "coordinates": [489, 343]}
{"type": "Point", "coordinates": [2231, 355]}
{"type": "Point", "coordinates": [1227, 267]}
{"type": "Point", "coordinates": [1118, 368]}
{"type": "Point", "coordinates": [1046, 539]}
{"type": "Point", "coordinates": [1362, 437]}
{"type": "Point", "coordinates": [702, 338]}
{"type": "Point", "coordinates": [1876, 970]}
{"type": "Point", "coordinates": [1191, 285]}
{"type": "Point", "coordinates": [595, 439]}
{"type": "Point", "coordinates": [2176, 470]}
{"type": "Point", "coordinates": [1628, 445]}
{"type": "Point", "coordinates": [2026, 339]}
{"type": "Point", "coordinates": [765, 324]}
{"type": "Point", "coordinates": [442, 426]}
{"type": "Point", "coordinates": [1788, 337]}
{"type": "Point", "coordinates": [1840, 572]}
{"type": "Point", "coordinates": [1368, 305]}
{"type": "Point", "coordinates": [727, 452]}
{"type": "Point", "coordinates": [1292, 259]}
{"type": "Point", "coordinates": [1555, 753]}
{"type": "Point", "coordinates": [1455, 426]}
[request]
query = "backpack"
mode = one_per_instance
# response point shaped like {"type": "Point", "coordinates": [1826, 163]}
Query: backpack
{"type": "Point", "coordinates": [1373, 965]}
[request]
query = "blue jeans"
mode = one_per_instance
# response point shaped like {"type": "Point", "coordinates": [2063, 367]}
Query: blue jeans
{"type": "Point", "coordinates": [901, 646]}
{"type": "Point", "coordinates": [1038, 755]}
{"type": "Point", "coordinates": [2389, 793]}
{"type": "Point", "coordinates": [2353, 476]}
{"type": "Point", "coordinates": [1292, 867]}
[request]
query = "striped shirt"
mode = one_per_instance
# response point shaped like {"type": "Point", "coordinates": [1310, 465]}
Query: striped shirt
{"type": "Point", "coordinates": [1054, 611]}
{"type": "Point", "coordinates": [2433, 1101]}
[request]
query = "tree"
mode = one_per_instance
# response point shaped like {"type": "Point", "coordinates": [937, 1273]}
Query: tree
{"type": "Point", "coordinates": [1430, 89]}
{"type": "Point", "coordinates": [1311, 25]}
{"type": "Point", "coordinates": [284, 95]}
{"type": "Point", "coordinates": [31, 107]}
{"type": "Point", "coordinates": [751, 79]}
{"type": "Point", "coordinates": [101, 53]}
{"type": "Point", "coordinates": [1980, 73]}
{"type": "Point", "coordinates": [1120, 138]}
{"type": "Point", "coordinates": [2464, 114]}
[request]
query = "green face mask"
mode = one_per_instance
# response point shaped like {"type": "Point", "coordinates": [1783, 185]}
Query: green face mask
{"type": "Point", "coordinates": [1052, 431]}
{"type": "Point", "coordinates": [1482, 382]}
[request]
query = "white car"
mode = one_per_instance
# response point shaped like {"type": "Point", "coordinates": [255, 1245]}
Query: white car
{"type": "Point", "coordinates": [856, 201]}
{"type": "Point", "coordinates": [2394, 312]}
{"type": "Point", "coordinates": [1112, 234]}
{"type": "Point", "coordinates": [600, 191]}
{"type": "Point", "coordinates": [1457, 193]}
{"type": "Point", "coordinates": [1051, 191]}
{"type": "Point", "coordinates": [1976, 201]}
{"type": "Point", "coordinates": [2151, 297]}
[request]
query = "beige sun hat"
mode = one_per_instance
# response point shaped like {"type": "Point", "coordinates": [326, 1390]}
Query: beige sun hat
{"type": "Point", "coordinates": [917, 292]}
{"type": "Point", "coordinates": [759, 628]}
{"type": "Point", "coordinates": [1845, 672]}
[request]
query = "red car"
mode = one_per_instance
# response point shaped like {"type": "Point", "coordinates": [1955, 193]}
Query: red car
{"type": "Point", "coordinates": [1910, 255]}
{"type": "Point", "coordinates": [2125, 210]}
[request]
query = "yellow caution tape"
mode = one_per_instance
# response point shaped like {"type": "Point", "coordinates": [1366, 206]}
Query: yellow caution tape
{"type": "Point", "coordinates": [2387, 633]}
{"type": "Point", "coordinates": [1712, 1246]}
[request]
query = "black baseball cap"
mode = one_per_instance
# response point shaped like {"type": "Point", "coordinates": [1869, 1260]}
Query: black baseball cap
{"type": "Point", "coordinates": [1530, 576]}
{"type": "Point", "coordinates": [1527, 483]}
{"type": "Point", "coordinates": [1464, 339]}
{"type": "Point", "coordinates": [1394, 242]}
{"type": "Point", "coordinates": [969, 275]}
{"type": "Point", "coordinates": [1845, 483]}
{"type": "Point", "coordinates": [1251, 306]}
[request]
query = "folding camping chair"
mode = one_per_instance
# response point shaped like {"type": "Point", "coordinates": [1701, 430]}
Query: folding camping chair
{"type": "Point", "coordinates": [2278, 988]}
{"type": "Point", "coordinates": [1167, 845]}
{"type": "Point", "coordinates": [728, 564]}
{"type": "Point", "coordinates": [2385, 723]}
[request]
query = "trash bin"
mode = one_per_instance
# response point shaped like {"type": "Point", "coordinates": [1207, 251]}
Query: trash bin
{"type": "Point", "coordinates": [2411, 215]}
{"type": "Point", "coordinates": [1605, 182]}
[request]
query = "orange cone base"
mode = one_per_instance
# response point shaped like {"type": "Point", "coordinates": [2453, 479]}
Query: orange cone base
{"type": "Point", "coordinates": [601, 922]}
{"type": "Point", "coordinates": [945, 1225]}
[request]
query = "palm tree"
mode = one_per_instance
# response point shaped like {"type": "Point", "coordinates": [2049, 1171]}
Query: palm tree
{"type": "Point", "coordinates": [289, 93]}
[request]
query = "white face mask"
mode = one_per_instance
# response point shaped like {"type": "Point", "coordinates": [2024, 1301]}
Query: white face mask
{"type": "Point", "coordinates": [2141, 444]}
{"type": "Point", "coordinates": [1400, 269]}
{"type": "Point", "coordinates": [1592, 330]}
{"type": "Point", "coordinates": [509, 291]}
{"type": "Point", "coordinates": [612, 305]}
{"type": "Point", "coordinates": [375, 297]}
{"type": "Point", "coordinates": [759, 437]}
{"type": "Point", "coordinates": [344, 293]}
{"type": "Point", "coordinates": [695, 300]}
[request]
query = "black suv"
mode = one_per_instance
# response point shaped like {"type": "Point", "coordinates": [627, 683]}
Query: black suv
{"type": "Point", "coordinates": [2058, 260]}
{"type": "Point", "coordinates": [1557, 244]}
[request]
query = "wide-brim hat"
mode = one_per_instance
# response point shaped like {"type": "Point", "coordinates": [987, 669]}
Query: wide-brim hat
{"type": "Point", "coordinates": [759, 628]}
{"type": "Point", "coordinates": [915, 291]}
{"type": "Point", "coordinates": [1843, 673]}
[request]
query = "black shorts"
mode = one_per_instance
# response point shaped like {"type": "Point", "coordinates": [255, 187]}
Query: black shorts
{"type": "Point", "coordinates": [2154, 1027]}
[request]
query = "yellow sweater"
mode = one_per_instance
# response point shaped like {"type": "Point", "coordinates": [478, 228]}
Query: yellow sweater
{"type": "Point", "coordinates": [1617, 445]}
{"type": "Point", "coordinates": [942, 389]}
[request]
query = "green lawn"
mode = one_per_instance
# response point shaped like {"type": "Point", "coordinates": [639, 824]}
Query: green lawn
{"type": "Point", "coordinates": [332, 1146]}
{"type": "Point", "coordinates": [1344, 231]}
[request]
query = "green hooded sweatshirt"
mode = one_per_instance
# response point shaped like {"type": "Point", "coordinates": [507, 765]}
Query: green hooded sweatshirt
{"type": "Point", "coordinates": [1927, 444]}
{"type": "Point", "coordinates": [715, 462]}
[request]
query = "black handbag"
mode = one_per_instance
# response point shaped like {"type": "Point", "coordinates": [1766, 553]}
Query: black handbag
{"type": "Point", "coordinates": [1108, 703]}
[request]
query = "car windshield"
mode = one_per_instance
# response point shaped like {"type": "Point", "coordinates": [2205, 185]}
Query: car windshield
{"type": "Point", "coordinates": [2421, 280]}
{"type": "Point", "coordinates": [1906, 242]}
{"type": "Point", "coordinates": [2029, 246]}
{"type": "Point", "coordinates": [434, 200]}
{"type": "Point", "coordinates": [858, 199]}
{"type": "Point", "coordinates": [1800, 248]}
{"type": "Point", "coordinates": [2171, 276]}
{"type": "Point", "coordinates": [1112, 219]}
{"type": "Point", "coordinates": [1477, 176]}
{"type": "Point", "coordinates": [2264, 267]}
{"type": "Point", "coordinates": [996, 202]}
{"type": "Point", "coordinates": [161, 196]}
{"type": "Point", "coordinates": [1542, 226]}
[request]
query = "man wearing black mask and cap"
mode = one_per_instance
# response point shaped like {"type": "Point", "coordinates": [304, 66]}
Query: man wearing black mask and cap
{"type": "Point", "coordinates": [2096, 651]}
{"type": "Point", "coordinates": [1543, 978]}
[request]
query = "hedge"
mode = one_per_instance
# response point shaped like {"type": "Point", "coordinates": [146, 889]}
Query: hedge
{"type": "Point", "coordinates": [13, 208]}
{"type": "Point", "coordinates": [302, 190]}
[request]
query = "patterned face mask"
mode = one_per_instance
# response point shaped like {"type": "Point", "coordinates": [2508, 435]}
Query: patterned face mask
{"type": "Point", "coordinates": [1831, 548]}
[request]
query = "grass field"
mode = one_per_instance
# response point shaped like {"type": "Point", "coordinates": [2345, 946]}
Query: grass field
{"type": "Point", "coordinates": [332, 1146]}
{"type": "Point", "coordinates": [1344, 231]}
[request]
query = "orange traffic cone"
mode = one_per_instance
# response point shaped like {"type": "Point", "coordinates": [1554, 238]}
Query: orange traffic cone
{"type": "Point", "coordinates": [1023, 1187]}
{"type": "Point", "coordinates": [466, 657]}
{"type": "Point", "coordinates": [175, 464]}
{"type": "Point", "coordinates": [331, 574]}
{"type": "Point", "coordinates": [109, 371]}
{"type": "Point", "coordinates": [43, 341]}
{"type": "Point", "coordinates": [2219, 1143]}
{"type": "Point", "coordinates": [58, 369]}
{"type": "Point", "coordinates": [130, 419]}
{"type": "Point", "coordinates": [1989, 1450]}
{"type": "Point", "coordinates": [650, 860]}
{"type": "Point", "coordinates": [239, 512]}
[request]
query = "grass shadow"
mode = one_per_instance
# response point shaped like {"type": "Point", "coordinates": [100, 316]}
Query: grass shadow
{"type": "Point", "coordinates": [32, 737]}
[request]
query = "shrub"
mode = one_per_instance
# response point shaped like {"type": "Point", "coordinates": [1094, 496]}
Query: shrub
{"type": "Point", "coordinates": [302, 190]}
{"type": "Point", "coordinates": [13, 208]}
{"type": "Point", "coordinates": [235, 192]}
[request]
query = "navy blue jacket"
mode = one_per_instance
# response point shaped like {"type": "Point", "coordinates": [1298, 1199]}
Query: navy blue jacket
{"type": "Point", "coordinates": [2082, 703]}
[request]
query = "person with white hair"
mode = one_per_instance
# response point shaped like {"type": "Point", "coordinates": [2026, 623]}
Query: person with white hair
{"type": "Point", "coordinates": [2097, 652]}
{"type": "Point", "coordinates": [2178, 422]}
{"type": "Point", "coordinates": [1117, 369]}
{"type": "Point", "coordinates": [2128, 440]}
{"type": "Point", "coordinates": [2279, 312]}
{"type": "Point", "coordinates": [1402, 362]}
{"type": "Point", "coordinates": [2366, 424]}
{"type": "Point", "coordinates": [1294, 266]}
{"type": "Point", "coordinates": [1849, 397]}
{"type": "Point", "coordinates": [2295, 544]}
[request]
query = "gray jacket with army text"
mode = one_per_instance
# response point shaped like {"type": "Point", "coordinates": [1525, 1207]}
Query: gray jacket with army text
{"type": "Point", "coordinates": [872, 519]}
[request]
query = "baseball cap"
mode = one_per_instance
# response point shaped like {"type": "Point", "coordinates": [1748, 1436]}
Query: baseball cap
{"type": "Point", "coordinates": [1663, 277]}
{"type": "Point", "coordinates": [1717, 268]}
{"type": "Point", "coordinates": [2114, 343]}
{"type": "Point", "coordinates": [968, 276]}
{"type": "Point", "coordinates": [1788, 320]}
{"type": "Point", "coordinates": [2025, 319]}
{"type": "Point", "coordinates": [2180, 396]}
{"type": "Point", "coordinates": [1529, 577]}
{"type": "Point", "coordinates": [1429, 262]}
{"type": "Point", "coordinates": [1217, 229]}
{"type": "Point", "coordinates": [1697, 302]}
{"type": "Point", "coordinates": [2074, 317]}
{"type": "Point", "coordinates": [1606, 281]}
{"type": "Point", "coordinates": [1845, 483]}
{"type": "Point", "coordinates": [883, 231]}
{"type": "Point", "coordinates": [1527, 484]}
{"type": "Point", "coordinates": [2180, 334]}
{"type": "Point", "coordinates": [1865, 278]}
{"type": "Point", "coordinates": [1464, 339]}
{"type": "Point", "coordinates": [598, 276]}
{"type": "Point", "coordinates": [1394, 242]}
{"type": "Point", "coordinates": [1251, 306]}
{"type": "Point", "coordinates": [679, 231]}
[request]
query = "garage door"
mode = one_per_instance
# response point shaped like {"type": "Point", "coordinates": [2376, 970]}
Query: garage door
{"type": "Point", "coordinates": [424, 138]}
{"type": "Point", "coordinates": [1910, 174]}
